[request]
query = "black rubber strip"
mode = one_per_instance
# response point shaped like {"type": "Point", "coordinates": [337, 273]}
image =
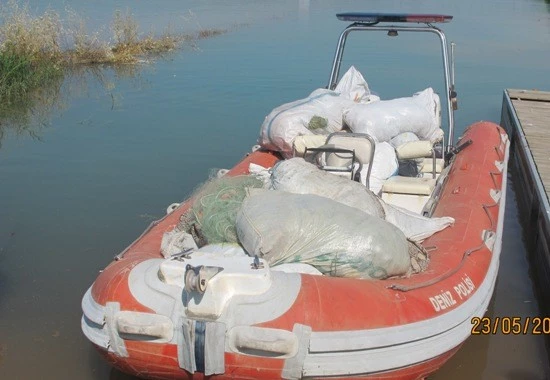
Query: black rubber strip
{"type": "Point", "coordinates": [200, 329]}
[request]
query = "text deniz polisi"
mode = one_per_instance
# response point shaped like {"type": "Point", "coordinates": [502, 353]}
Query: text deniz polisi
{"type": "Point", "coordinates": [465, 287]}
{"type": "Point", "coordinates": [448, 298]}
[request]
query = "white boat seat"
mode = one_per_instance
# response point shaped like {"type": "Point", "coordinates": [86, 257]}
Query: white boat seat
{"type": "Point", "coordinates": [343, 153]}
{"type": "Point", "coordinates": [420, 150]}
{"type": "Point", "coordinates": [302, 142]}
{"type": "Point", "coordinates": [363, 147]}
{"type": "Point", "coordinates": [409, 185]}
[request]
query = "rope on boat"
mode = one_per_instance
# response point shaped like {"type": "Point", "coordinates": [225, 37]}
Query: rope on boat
{"type": "Point", "coordinates": [121, 254]}
{"type": "Point", "coordinates": [467, 253]}
{"type": "Point", "coordinates": [486, 237]}
{"type": "Point", "coordinates": [403, 288]}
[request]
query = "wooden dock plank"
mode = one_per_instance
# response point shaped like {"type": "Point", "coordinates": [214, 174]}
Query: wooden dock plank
{"type": "Point", "coordinates": [526, 117]}
{"type": "Point", "coordinates": [529, 95]}
{"type": "Point", "coordinates": [533, 111]}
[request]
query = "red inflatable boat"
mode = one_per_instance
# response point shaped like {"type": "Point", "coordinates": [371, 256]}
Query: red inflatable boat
{"type": "Point", "coordinates": [163, 318]}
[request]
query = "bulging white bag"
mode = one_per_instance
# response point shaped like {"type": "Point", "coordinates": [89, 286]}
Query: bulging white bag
{"type": "Point", "coordinates": [300, 177]}
{"type": "Point", "coordinates": [353, 86]}
{"type": "Point", "coordinates": [336, 239]}
{"type": "Point", "coordinates": [384, 165]}
{"type": "Point", "coordinates": [386, 119]}
{"type": "Point", "coordinates": [403, 138]}
{"type": "Point", "coordinates": [285, 122]}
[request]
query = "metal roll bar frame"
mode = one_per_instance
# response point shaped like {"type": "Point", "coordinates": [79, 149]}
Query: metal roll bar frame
{"type": "Point", "coordinates": [448, 65]}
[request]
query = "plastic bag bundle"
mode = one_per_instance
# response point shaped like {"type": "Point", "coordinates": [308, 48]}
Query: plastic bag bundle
{"type": "Point", "coordinates": [386, 119]}
{"type": "Point", "coordinates": [176, 241]}
{"type": "Point", "coordinates": [384, 165]}
{"type": "Point", "coordinates": [258, 171]}
{"type": "Point", "coordinates": [353, 86]}
{"type": "Point", "coordinates": [211, 219]}
{"type": "Point", "coordinates": [416, 227]}
{"type": "Point", "coordinates": [336, 239]}
{"type": "Point", "coordinates": [289, 120]}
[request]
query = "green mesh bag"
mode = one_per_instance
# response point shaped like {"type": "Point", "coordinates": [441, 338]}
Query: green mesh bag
{"type": "Point", "coordinates": [211, 219]}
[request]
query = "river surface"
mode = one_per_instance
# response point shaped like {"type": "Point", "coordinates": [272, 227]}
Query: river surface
{"type": "Point", "coordinates": [79, 187]}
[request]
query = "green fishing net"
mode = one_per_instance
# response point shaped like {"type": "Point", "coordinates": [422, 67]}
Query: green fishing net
{"type": "Point", "coordinates": [211, 219]}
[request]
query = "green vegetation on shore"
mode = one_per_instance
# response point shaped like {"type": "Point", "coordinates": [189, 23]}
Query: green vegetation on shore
{"type": "Point", "coordinates": [37, 51]}
{"type": "Point", "coordinates": [30, 55]}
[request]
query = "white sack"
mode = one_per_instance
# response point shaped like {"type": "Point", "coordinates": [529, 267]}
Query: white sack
{"type": "Point", "coordinates": [286, 122]}
{"type": "Point", "coordinates": [384, 165]}
{"type": "Point", "coordinates": [386, 119]}
{"type": "Point", "coordinates": [403, 138]}
{"type": "Point", "coordinates": [353, 86]}
{"type": "Point", "coordinates": [416, 227]}
{"type": "Point", "coordinates": [336, 239]}
{"type": "Point", "coordinates": [300, 177]}
{"type": "Point", "coordinates": [297, 268]}
{"type": "Point", "coordinates": [437, 136]}
{"type": "Point", "coordinates": [260, 172]}
{"type": "Point", "coordinates": [176, 241]}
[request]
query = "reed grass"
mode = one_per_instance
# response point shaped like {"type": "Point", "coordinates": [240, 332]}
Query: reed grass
{"type": "Point", "coordinates": [36, 50]}
{"type": "Point", "coordinates": [30, 55]}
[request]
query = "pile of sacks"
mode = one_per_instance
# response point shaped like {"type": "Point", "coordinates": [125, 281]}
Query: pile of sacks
{"type": "Point", "coordinates": [298, 213]}
{"type": "Point", "coordinates": [319, 114]}
{"type": "Point", "coordinates": [352, 105]}
{"type": "Point", "coordinates": [305, 215]}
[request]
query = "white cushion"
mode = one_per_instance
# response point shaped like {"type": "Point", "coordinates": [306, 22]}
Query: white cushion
{"type": "Point", "coordinates": [409, 185]}
{"type": "Point", "coordinates": [427, 165]}
{"type": "Point", "coordinates": [414, 149]}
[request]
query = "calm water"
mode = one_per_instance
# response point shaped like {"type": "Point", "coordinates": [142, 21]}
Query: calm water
{"type": "Point", "coordinates": [75, 192]}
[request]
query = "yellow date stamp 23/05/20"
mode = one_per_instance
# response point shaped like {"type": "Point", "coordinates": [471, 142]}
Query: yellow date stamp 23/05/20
{"type": "Point", "coordinates": [510, 325]}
